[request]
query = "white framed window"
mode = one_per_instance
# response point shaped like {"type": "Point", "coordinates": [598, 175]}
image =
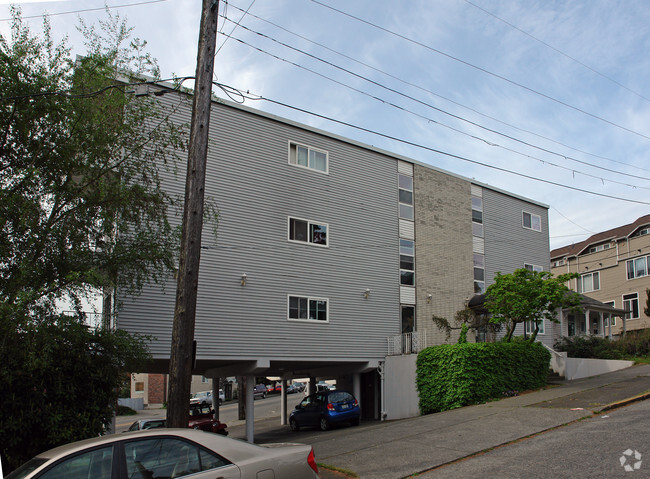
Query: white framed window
{"type": "Point", "coordinates": [631, 304]}
{"type": "Point", "coordinates": [641, 232]}
{"type": "Point", "coordinates": [533, 267]}
{"type": "Point", "coordinates": [530, 327]}
{"type": "Point", "coordinates": [600, 247]}
{"type": "Point", "coordinates": [531, 221]}
{"type": "Point", "coordinates": [204, 379]}
{"type": "Point", "coordinates": [606, 320]}
{"type": "Point", "coordinates": [479, 273]}
{"type": "Point", "coordinates": [589, 282]}
{"type": "Point", "coordinates": [405, 184]}
{"type": "Point", "coordinates": [638, 267]}
{"type": "Point", "coordinates": [308, 157]}
{"type": "Point", "coordinates": [307, 308]}
{"type": "Point", "coordinates": [477, 216]}
{"type": "Point", "coordinates": [559, 262]}
{"type": "Point", "coordinates": [305, 231]}
{"type": "Point", "coordinates": [406, 262]}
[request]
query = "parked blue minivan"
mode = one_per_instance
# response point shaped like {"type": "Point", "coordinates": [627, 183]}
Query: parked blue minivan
{"type": "Point", "coordinates": [325, 408]}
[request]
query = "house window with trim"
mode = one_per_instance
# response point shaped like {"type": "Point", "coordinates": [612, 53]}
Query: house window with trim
{"type": "Point", "coordinates": [631, 304]}
{"type": "Point", "coordinates": [477, 216]}
{"type": "Point", "coordinates": [532, 221]}
{"type": "Point", "coordinates": [637, 268]}
{"type": "Point", "coordinates": [533, 267]}
{"type": "Point", "coordinates": [407, 262]}
{"type": "Point", "coordinates": [405, 197]}
{"type": "Point", "coordinates": [530, 327]}
{"type": "Point", "coordinates": [606, 320]}
{"type": "Point", "coordinates": [589, 282]}
{"type": "Point", "coordinates": [479, 273]}
{"type": "Point", "coordinates": [306, 231]}
{"type": "Point", "coordinates": [408, 319]}
{"type": "Point", "coordinates": [600, 247]}
{"type": "Point", "coordinates": [304, 308]}
{"type": "Point", "coordinates": [308, 157]}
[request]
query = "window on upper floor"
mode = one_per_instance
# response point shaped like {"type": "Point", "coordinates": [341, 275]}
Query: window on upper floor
{"type": "Point", "coordinates": [479, 273]}
{"type": "Point", "coordinates": [477, 216]}
{"type": "Point", "coordinates": [559, 262]}
{"type": "Point", "coordinates": [308, 157]}
{"type": "Point", "coordinates": [304, 308]}
{"type": "Point", "coordinates": [638, 267]}
{"type": "Point", "coordinates": [405, 197]}
{"type": "Point", "coordinates": [641, 232]}
{"type": "Point", "coordinates": [589, 282]}
{"type": "Point", "coordinates": [599, 247]}
{"type": "Point", "coordinates": [305, 231]}
{"type": "Point", "coordinates": [631, 304]}
{"type": "Point", "coordinates": [533, 267]}
{"type": "Point", "coordinates": [532, 221]}
{"type": "Point", "coordinates": [406, 262]}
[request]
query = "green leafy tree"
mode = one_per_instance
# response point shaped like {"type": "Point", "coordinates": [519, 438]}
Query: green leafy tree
{"type": "Point", "coordinates": [528, 295]}
{"type": "Point", "coordinates": [82, 211]}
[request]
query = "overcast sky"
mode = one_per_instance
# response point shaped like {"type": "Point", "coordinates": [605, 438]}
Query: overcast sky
{"type": "Point", "coordinates": [508, 92]}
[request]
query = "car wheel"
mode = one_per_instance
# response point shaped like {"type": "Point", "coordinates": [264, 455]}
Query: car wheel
{"type": "Point", "coordinates": [324, 424]}
{"type": "Point", "coordinates": [264, 396]}
{"type": "Point", "coordinates": [294, 425]}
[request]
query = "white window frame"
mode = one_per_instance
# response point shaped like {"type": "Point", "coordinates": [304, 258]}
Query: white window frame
{"type": "Point", "coordinates": [534, 267]}
{"type": "Point", "coordinates": [309, 237]}
{"type": "Point", "coordinates": [646, 272]}
{"type": "Point", "coordinates": [406, 210]}
{"type": "Point", "coordinates": [606, 320]}
{"type": "Point", "coordinates": [532, 223]}
{"type": "Point", "coordinates": [401, 253]}
{"type": "Point", "coordinates": [293, 145]}
{"type": "Point", "coordinates": [530, 327]}
{"type": "Point", "coordinates": [479, 286]}
{"type": "Point", "coordinates": [581, 288]}
{"type": "Point", "coordinates": [631, 300]}
{"type": "Point", "coordinates": [309, 299]}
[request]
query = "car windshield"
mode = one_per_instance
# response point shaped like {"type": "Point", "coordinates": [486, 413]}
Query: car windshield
{"type": "Point", "coordinates": [27, 468]}
{"type": "Point", "coordinates": [340, 397]}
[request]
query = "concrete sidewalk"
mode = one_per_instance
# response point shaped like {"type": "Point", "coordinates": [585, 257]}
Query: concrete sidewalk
{"type": "Point", "coordinates": [398, 449]}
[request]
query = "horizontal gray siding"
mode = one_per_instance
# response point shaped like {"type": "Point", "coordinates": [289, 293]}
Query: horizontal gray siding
{"type": "Point", "coordinates": [256, 190]}
{"type": "Point", "coordinates": [508, 245]}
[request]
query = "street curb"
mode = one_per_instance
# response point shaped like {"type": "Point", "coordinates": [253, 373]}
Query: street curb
{"type": "Point", "coordinates": [625, 402]}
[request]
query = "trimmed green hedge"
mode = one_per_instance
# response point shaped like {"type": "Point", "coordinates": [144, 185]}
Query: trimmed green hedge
{"type": "Point", "coordinates": [456, 375]}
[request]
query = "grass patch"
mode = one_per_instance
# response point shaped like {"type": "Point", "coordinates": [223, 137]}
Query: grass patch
{"type": "Point", "coordinates": [340, 470]}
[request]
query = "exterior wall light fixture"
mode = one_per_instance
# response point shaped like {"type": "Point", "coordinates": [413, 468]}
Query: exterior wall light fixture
{"type": "Point", "coordinates": [243, 279]}
{"type": "Point", "coordinates": [429, 296]}
{"type": "Point", "coordinates": [366, 293]}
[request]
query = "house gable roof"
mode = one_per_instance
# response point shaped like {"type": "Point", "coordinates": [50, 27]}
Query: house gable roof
{"type": "Point", "coordinates": [615, 234]}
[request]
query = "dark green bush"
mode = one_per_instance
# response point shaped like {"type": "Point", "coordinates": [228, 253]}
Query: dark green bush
{"type": "Point", "coordinates": [125, 411]}
{"type": "Point", "coordinates": [633, 344]}
{"type": "Point", "coordinates": [456, 375]}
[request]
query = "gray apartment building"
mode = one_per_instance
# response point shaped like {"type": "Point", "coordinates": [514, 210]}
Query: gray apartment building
{"type": "Point", "coordinates": [331, 256]}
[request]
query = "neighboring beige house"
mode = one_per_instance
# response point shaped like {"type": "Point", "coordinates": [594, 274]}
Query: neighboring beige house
{"type": "Point", "coordinates": [153, 387]}
{"type": "Point", "coordinates": [614, 268]}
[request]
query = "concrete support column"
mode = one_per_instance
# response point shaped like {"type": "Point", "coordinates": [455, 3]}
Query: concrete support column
{"type": "Point", "coordinates": [356, 387]}
{"type": "Point", "coordinates": [283, 403]}
{"type": "Point", "coordinates": [250, 409]}
{"type": "Point", "coordinates": [215, 397]}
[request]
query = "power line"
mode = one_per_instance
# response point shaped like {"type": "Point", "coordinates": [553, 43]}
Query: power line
{"type": "Point", "coordinates": [557, 50]}
{"type": "Point", "coordinates": [483, 70]}
{"type": "Point", "coordinates": [419, 87]}
{"type": "Point", "coordinates": [85, 10]}
{"type": "Point", "coordinates": [386, 102]}
{"type": "Point", "coordinates": [434, 150]}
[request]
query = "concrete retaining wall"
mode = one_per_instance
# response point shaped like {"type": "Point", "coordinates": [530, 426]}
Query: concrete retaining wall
{"type": "Point", "coordinates": [576, 368]}
{"type": "Point", "coordinates": [133, 403]}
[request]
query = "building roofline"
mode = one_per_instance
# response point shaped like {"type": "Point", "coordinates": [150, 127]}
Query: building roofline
{"type": "Point", "coordinates": [334, 136]}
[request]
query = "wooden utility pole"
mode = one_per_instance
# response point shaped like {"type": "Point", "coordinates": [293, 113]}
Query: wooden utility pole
{"type": "Point", "coordinates": [180, 366]}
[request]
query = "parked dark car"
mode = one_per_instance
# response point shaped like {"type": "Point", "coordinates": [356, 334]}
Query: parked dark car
{"type": "Point", "coordinates": [295, 388]}
{"type": "Point", "coordinates": [201, 417]}
{"type": "Point", "coordinates": [324, 409]}
{"type": "Point", "coordinates": [259, 391]}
